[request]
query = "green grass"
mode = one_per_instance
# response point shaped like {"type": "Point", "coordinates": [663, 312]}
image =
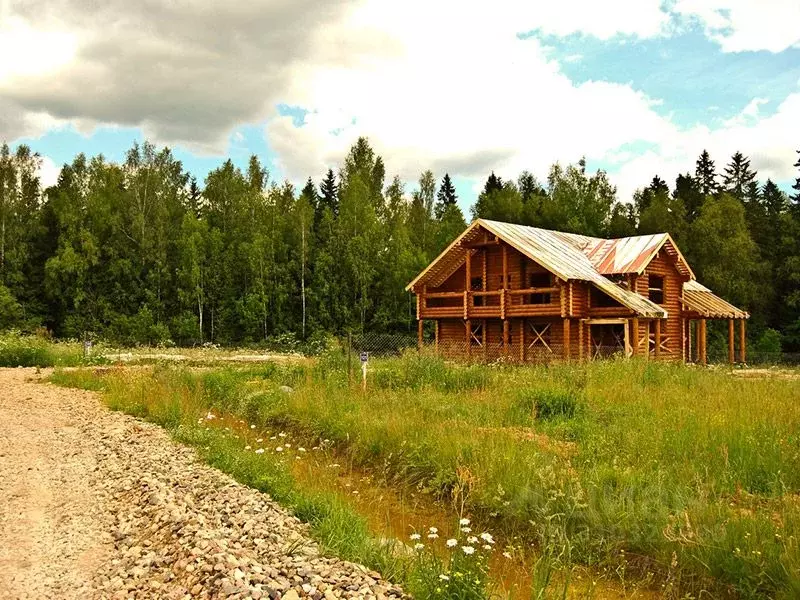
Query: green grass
{"type": "Point", "coordinates": [692, 474]}
{"type": "Point", "coordinates": [32, 351]}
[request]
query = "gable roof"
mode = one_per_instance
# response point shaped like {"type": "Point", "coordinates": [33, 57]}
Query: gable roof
{"type": "Point", "coordinates": [563, 254]}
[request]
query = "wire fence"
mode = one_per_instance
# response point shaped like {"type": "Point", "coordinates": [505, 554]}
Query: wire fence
{"type": "Point", "coordinates": [535, 349]}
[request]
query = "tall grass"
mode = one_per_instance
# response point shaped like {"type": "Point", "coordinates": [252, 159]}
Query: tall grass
{"type": "Point", "coordinates": [32, 351]}
{"type": "Point", "coordinates": [689, 473]}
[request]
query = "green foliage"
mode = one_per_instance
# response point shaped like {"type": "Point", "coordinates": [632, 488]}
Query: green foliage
{"type": "Point", "coordinates": [138, 253]}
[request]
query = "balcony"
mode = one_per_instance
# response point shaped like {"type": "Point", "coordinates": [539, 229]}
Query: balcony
{"type": "Point", "coordinates": [496, 304]}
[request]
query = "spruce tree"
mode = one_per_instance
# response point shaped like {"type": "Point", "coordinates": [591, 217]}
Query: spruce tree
{"type": "Point", "coordinates": [738, 176]}
{"type": "Point", "coordinates": [705, 174]}
{"type": "Point", "coordinates": [688, 190]}
{"type": "Point", "coordinates": [329, 193]}
{"type": "Point", "coordinates": [493, 184]}
{"type": "Point", "coordinates": [446, 196]}
{"type": "Point", "coordinates": [796, 186]}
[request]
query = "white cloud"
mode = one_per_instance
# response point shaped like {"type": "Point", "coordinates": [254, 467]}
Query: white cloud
{"type": "Point", "coordinates": [467, 98]}
{"type": "Point", "coordinates": [769, 141]}
{"type": "Point", "coordinates": [27, 51]}
{"type": "Point", "coordinates": [742, 25]}
{"type": "Point", "coordinates": [48, 172]}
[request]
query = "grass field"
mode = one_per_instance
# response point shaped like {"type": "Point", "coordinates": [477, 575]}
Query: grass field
{"type": "Point", "coordinates": [686, 478]}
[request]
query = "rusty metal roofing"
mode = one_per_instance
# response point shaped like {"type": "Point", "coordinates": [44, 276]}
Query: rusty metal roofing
{"type": "Point", "coordinates": [633, 254]}
{"type": "Point", "coordinates": [563, 254]}
{"type": "Point", "coordinates": [701, 300]}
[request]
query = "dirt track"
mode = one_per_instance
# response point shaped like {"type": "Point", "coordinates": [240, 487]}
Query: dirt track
{"type": "Point", "coordinates": [96, 504]}
{"type": "Point", "coordinates": [52, 537]}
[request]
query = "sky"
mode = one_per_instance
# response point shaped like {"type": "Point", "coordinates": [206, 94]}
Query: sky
{"type": "Point", "coordinates": [637, 87]}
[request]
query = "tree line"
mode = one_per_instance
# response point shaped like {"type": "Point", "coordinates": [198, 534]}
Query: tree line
{"type": "Point", "coordinates": [139, 252]}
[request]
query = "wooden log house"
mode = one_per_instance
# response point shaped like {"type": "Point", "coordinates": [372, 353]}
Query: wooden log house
{"type": "Point", "coordinates": [529, 294]}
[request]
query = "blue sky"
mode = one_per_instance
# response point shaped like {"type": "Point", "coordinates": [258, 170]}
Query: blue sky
{"type": "Point", "coordinates": [639, 87]}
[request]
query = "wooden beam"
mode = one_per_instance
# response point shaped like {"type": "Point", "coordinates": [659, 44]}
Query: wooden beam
{"type": "Point", "coordinates": [634, 336]}
{"type": "Point", "coordinates": [436, 336]}
{"type": "Point", "coordinates": [468, 272]}
{"type": "Point", "coordinates": [505, 336]}
{"type": "Point", "coordinates": [657, 338]}
{"type": "Point", "coordinates": [580, 340]}
{"type": "Point", "coordinates": [731, 342]}
{"type": "Point", "coordinates": [420, 323]}
{"type": "Point", "coordinates": [468, 327]}
{"type": "Point", "coordinates": [563, 298]}
{"type": "Point", "coordinates": [566, 339]}
{"type": "Point", "coordinates": [483, 273]}
{"type": "Point", "coordinates": [742, 342]}
{"type": "Point", "coordinates": [483, 244]}
{"type": "Point", "coordinates": [690, 356]}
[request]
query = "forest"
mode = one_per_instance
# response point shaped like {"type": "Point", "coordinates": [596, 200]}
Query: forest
{"type": "Point", "coordinates": [141, 253]}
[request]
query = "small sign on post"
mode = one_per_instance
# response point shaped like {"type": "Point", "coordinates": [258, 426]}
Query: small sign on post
{"type": "Point", "coordinates": [364, 359]}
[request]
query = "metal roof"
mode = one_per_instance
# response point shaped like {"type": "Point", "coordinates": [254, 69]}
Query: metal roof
{"type": "Point", "coordinates": [698, 298]}
{"type": "Point", "coordinates": [563, 254]}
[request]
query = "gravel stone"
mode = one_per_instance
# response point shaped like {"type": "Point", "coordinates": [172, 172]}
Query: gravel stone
{"type": "Point", "coordinates": [97, 504]}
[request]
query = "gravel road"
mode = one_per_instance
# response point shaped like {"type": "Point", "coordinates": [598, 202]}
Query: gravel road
{"type": "Point", "coordinates": [96, 504]}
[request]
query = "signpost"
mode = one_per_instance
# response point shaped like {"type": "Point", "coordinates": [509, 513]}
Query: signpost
{"type": "Point", "coordinates": [364, 359]}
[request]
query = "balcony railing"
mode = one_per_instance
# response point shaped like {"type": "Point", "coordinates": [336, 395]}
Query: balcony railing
{"type": "Point", "coordinates": [490, 304]}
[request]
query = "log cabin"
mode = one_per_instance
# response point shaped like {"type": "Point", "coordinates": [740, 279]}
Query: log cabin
{"type": "Point", "coordinates": [526, 294]}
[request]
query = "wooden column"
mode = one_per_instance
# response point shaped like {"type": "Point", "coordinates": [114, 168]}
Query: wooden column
{"type": "Point", "coordinates": [522, 340]}
{"type": "Point", "coordinates": [657, 336]}
{"type": "Point", "coordinates": [689, 340]}
{"type": "Point", "coordinates": [566, 338]}
{"type": "Point", "coordinates": [468, 271]}
{"type": "Point", "coordinates": [505, 268]}
{"type": "Point", "coordinates": [484, 337]}
{"type": "Point", "coordinates": [580, 340]}
{"type": "Point", "coordinates": [419, 334]}
{"type": "Point", "coordinates": [701, 342]}
{"type": "Point", "coordinates": [731, 342]}
{"type": "Point", "coordinates": [683, 339]}
{"type": "Point", "coordinates": [634, 322]}
{"type": "Point", "coordinates": [505, 337]}
{"type": "Point", "coordinates": [436, 336]}
{"type": "Point", "coordinates": [468, 325]}
{"type": "Point", "coordinates": [742, 342]}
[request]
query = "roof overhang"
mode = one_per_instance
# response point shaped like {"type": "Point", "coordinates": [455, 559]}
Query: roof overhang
{"type": "Point", "coordinates": [703, 303]}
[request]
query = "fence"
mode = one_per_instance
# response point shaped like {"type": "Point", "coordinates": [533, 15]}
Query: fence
{"type": "Point", "coordinates": [537, 348]}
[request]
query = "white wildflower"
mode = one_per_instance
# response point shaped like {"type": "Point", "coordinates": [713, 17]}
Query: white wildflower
{"type": "Point", "coordinates": [464, 522]}
{"type": "Point", "coordinates": [252, 426]}
{"type": "Point", "coordinates": [260, 451]}
{"type": "Point", "coordinates": [247, 447]}
{"type": "Point", "coordinates": [433, 536]}
{"type": "Point", "coordinates": [433, 530]}
{"type": "Point", "coordinates": [487, 537]}
{"type": "Point", "coordinates": [466, 530]}
{"type": "Point", "coordinates": [507, 554]}
{"type": "Point", "coordinates": [414, 536]}
{"type": "Point", "coordinates": [279, 449]}
{"type": "Point", "coordinates": [419, 546]}
{"type": "Point", "coordinates": [472, 539]}
{"type": "Point", "coordinates": [468, 550]}
{"type": "Point", "coordinates": [487, 547]}
{"type": "Point", "coordinates": [452, 543]}
{"type": "Point", "coordinates": [444, 577]}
